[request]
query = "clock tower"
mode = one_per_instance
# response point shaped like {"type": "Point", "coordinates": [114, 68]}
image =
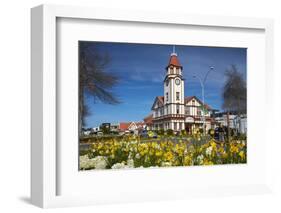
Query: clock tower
{"type": "Point", "coordinates": [174, 94]}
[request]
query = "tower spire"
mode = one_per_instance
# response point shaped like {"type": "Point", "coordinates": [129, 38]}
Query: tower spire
{"type": "Point", "coordinates": [174, 51]}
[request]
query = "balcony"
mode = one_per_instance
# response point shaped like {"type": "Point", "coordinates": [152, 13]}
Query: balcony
{"type": "Point", "coordinates": [176, 116]}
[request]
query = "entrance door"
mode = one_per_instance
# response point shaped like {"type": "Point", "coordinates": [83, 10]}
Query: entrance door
{"type": "Point", "coordinates": [188, 128]}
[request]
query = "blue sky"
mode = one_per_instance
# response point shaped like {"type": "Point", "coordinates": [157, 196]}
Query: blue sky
{"type": "Point", "coordinates": [141, 69]}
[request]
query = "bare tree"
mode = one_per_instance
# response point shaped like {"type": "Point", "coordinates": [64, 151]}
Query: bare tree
{"type": "Point", "coordinates": [234, 93]}
{"type": "Point", "coordinates": [94, 80]}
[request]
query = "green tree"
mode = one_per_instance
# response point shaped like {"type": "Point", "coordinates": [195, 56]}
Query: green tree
{"type": "Point", "coordinates": [234, 93]}
{"type": "Point", "coordinates": [94, 79]}
{"type": "Point", "coordinates": [105, 130]}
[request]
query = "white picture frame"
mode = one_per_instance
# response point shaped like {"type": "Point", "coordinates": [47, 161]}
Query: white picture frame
{"type": "Point", "coordinates": [44, 154]}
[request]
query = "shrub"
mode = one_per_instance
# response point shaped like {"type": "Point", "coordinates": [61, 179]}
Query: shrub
{"type": "Point", "coordinates": [183, 132]}
{"type": "Point", "coordinates": [170, 132]}
{"type": "Point", "coordinates": [161, 132]}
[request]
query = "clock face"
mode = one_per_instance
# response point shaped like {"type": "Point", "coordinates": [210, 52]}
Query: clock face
{"type": "Point", "coordinates": [178, 81]}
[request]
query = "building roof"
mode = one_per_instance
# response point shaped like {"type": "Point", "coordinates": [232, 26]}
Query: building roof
{"type": "Point", "coordinates": [174, 61]}
{"type": "Point", "coordinates": [207, 106]}
{"type": "Point", "coordinates": [148, 119]}
{"type": "Point", "coordinates": [188, 98]}
{"type": "Point", "coordinates": [126, 125]}
{"type": "Point", "coordinates": [161, 99]}
{"type": "Point", "coordinates": [158, 99]}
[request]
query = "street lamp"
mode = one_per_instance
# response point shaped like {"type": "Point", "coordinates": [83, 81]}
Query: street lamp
{"type": "Point", "coordinates": [202, 83]}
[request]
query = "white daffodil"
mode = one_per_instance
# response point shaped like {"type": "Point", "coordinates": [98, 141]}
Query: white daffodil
{"type": "Point", "coordinates": [118, 166]}
{"type": "Point", "coordinates": [209, 151]}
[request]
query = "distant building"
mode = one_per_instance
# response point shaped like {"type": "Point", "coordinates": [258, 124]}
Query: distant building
{"type": "Point", "coordinates": [95, 129]}
{"type": "Point", "coordinates": [235, 122]}
{"type": "Point", "coordinates": [131, 127]}
{"type": "Point", "coordinates": [221, 119]}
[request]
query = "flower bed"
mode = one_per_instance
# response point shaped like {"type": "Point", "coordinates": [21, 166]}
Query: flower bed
{"type": "Point", "coordinates": [133, 153]}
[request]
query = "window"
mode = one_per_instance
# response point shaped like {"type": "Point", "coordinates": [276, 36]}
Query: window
{"type": "Point", "coordinates": [172, 70]}
{"type": "Point", "coordinates": [187, 110]}
{"type": "Point", "coordinates": [198, 111]}
{"type": "Point", "coordinates": [175, 125]}
{"type": "Point", "coordinates": [177, 71]}
{"type": "Point", "coordinates": [178, 109]}
{"type": "Point", "coordinates": [167, 98]}
{"type": "Point", "coordinates": [178, 96]}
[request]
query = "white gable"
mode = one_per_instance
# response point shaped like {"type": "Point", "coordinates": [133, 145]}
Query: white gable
{"type": "Point", "coordinates": [157, 103]}
{"type": "Point", "coordinates": [132, 126]}
{"type": "Point", "coordinates": [194, 102]}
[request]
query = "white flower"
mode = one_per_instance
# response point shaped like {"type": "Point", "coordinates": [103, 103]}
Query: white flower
{"type": "Point", "coordinates": [134, 142]}
{"type": "Point", "coordinates": [130, 163]}
{"type": "Point", "coordinates": [200, 159]}
{"type": "Point", "coordinates": [166, 164]}
{"type": "Point", "coordinates": [118, 166]}
{"type": "Point", "coordinates": [209, 150]}
{"type": "Point", "coordinates": [137, 156]}
{"type": "Point", "coordinates": [98, 162]}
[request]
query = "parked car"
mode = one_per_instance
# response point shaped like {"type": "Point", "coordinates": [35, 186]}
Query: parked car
{"type": "Point", "coordinates": [144, 134]}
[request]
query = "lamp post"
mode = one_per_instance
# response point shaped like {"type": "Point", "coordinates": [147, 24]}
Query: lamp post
{"type": "Point", "coordinates": [202, 83]}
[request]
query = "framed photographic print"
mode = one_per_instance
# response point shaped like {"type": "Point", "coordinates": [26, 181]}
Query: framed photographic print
{"type": "Point", "coordinates": [146, 105]}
